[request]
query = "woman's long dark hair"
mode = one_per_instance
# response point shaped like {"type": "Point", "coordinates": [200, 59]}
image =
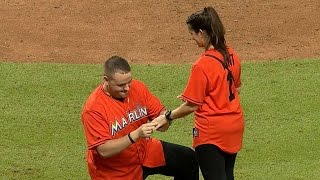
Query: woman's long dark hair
{"type": "Point", "coordinates": [209, 21]}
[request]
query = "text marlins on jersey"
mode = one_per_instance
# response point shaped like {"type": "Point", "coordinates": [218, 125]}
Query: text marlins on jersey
{"type": "Point", "coordinates": [132, 116]}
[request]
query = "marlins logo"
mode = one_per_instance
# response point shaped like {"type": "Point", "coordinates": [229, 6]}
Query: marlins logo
{"type": "Point", "coordinates": [132, 116]}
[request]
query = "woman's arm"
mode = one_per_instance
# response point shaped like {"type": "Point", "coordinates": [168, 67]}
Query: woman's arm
{"type": "Point", "coordinates": [183, 110]}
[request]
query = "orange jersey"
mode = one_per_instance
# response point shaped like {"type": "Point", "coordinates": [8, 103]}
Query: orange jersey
{"type": "Point", "coordinates": [219, 119]}
{"type": "Point", "coordinates": [105, 118]}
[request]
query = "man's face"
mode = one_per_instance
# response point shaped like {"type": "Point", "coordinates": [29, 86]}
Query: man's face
{"type": "Point", "coordinates": [119, 84]}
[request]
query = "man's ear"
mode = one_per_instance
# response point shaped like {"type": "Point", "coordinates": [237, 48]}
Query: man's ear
{"type": "Point", "coordinates": [106, 79]}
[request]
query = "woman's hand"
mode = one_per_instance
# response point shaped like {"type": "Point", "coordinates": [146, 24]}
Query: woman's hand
{"type": "Point", "coordinates": [161, 121]}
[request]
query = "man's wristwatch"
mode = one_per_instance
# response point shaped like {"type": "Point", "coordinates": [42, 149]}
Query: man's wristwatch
{"type": "Point", "coordinates": [167, 115]}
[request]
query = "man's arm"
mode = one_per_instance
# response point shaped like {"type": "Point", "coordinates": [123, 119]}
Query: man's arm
{"type": "Point", "coordinates": [115, 146]}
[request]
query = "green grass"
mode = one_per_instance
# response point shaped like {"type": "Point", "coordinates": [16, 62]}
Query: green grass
{"type": "Point", "coordinates": [42, 136]}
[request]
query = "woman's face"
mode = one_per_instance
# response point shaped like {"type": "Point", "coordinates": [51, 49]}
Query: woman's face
{"type": "Point", "coordinates": [198, 37]}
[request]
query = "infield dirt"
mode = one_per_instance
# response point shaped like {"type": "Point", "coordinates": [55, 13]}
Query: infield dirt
{"type": "Point", "coordinates": [146, 31]}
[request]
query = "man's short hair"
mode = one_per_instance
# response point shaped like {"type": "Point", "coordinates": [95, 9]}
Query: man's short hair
{"type": "Point", "coordinates": [116, 64]}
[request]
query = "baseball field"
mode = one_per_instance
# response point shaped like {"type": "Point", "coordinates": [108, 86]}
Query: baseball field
{"type": "Point", "coordinates": [50, 60]}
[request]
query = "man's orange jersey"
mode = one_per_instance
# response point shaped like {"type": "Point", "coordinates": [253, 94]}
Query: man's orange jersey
{"type": "Point", "coordinates": [219, 119]}
{"type": "Point", "coordinates": [105, 118]}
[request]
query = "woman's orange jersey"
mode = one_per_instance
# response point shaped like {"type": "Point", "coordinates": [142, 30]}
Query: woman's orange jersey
{"type": "Point", "coordinates": [219, 119]}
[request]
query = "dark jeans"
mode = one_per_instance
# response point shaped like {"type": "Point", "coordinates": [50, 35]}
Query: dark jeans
{"type": "Point", "coordinates": [214, 163]}
{"type": "Point", "coordinates": [181, 163]}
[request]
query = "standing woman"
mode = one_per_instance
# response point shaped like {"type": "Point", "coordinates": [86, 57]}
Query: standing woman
{"type": "Point", "coordinates": [212, 94]}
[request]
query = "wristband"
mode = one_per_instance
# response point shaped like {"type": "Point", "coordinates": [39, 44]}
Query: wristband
{"type": "Point", "coordinates": [167, 115]}
{"type": "Point", "coordinates": [130, 138]}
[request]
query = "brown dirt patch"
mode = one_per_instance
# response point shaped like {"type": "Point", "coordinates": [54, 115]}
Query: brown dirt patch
{"type": "Point", "coordinates": [152, 32]}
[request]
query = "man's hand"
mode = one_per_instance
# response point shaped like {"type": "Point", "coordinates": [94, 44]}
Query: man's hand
{"type": "Point", "coordinates": [144, 131]}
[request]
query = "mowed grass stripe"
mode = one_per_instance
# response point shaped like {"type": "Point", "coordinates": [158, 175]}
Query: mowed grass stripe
{"type": "Point", "coordinates": [42, 136]}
